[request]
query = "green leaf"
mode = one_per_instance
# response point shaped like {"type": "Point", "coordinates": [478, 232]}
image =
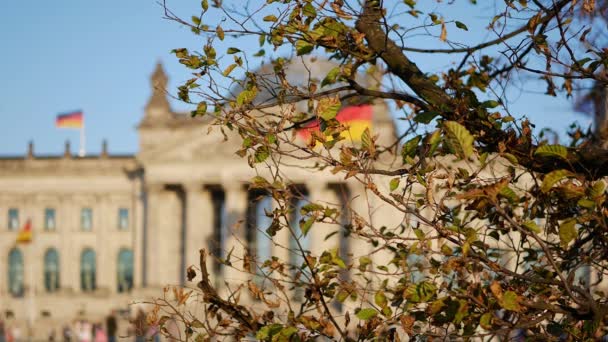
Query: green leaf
{"type": "Point", "coordinates": [511, 158]}
{"type": "Point", "coordinates": [232, 50]}
{"type": "Point", "coordinates": [341, 296]}
{"type": "Point", "coordinates": [425, 117]}
{"type": "Point", "coordinates": [261, 154]}
{"type": "Point", "coordinates": [305, 225]}
{"type": "Point", "coordinates": [419, 293]}
{"type": "Point", "coordinates": [270, 18]}
{"type": "Point", "coordinates": [201, 109]}
{"type": "Point", "coordinates": [461, 26]}
{"type": "Point", "coordinates": [586, 203]}
{"type": "Point", "coordinates": [309, 10]}
{"type": "Point", "coordinates": [247, 96]}
{"type": "Point", "coordinates": [380, 299]}
{"type": "Point", "coordinates": [366, 139]}
{"type": "Point", "coordinates": [303, 47]}
{"type": "Point", "coordinates": [598, 189]}
{"type": "Point", "coordinates": [364, 261]}
{"type": "Point", "coordinates": [197, 324]}
{"type": "Point", "coordinates": [394, 184]}
{"type": "Point", "coordinates": [486, 321]}
{"type": "Point", "coordinates": [551, 151]}
{"type": "Point", "coordinates": [532, 226]}
{"type": "Point", "coordinates": [410, 147]}
{"type": "Point", "coordinates": [552, 178]}
{"type": "Point", "coordinates": [229, 69]}
{"type": "Point", "coordinates": [339, 262]}
{"type": "Point", "coordinates": [490, 104]}
{"type": "Point", "coordinates": [366, 314]}
{"type": "Point", "coordinates": [459, 139]}
{"type": "Point", "coordinates": [330, 110]}
{"type": "Point", "coordinates": [331, 76]}
{"type": "Point", "coordinates": [510, 301]}
{"type": "Point", "coordinates": [567, 232]}
{"type": "Point", "coordinates": [205, 5]}
{"type": "Point", "coordinates": [287, 332]}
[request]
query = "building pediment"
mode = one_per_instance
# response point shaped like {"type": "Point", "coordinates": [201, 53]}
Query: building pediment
{"type": "Point", "coordinates": [196, 145]}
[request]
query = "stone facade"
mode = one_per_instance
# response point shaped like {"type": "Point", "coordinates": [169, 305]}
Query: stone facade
{"type": "Point", "coordinates": [173, 190]}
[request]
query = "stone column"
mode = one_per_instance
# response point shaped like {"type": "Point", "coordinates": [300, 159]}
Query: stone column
{"type": "Point", "coordinates": [359, 205]}
{"type": "Point", "coordinates": [68, 216]}
{"type": "Point", "coordinates": [137, 224]}
{"type": "Point", "coordinates": [104, 221]}
{"type": "Point", "coordinates": [322, 195]}
{"type": "Point", "coordinates": [152, 234]}
{"type": "Point", "coordinates": [199, 224]}
{"type": "Point", "coordinates": [236, 208]}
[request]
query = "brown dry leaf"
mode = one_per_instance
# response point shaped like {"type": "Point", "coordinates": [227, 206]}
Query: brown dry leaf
{"type": "Point", "coordinates": [496, 290]}
{"type": "Point", "coordinates": [589, 6]}
{"type": "Point", "coordinates": [407, 322]}
{"type": "Point", "coordinates": [444, 32]}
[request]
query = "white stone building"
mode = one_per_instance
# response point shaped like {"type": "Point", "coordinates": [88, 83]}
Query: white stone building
{"type": "Point", "coordinates": [109, 230]}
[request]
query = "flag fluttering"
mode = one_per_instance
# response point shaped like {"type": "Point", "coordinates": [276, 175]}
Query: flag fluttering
{"type": "Point", "coordinates": [357, 118]}
{"type": "Point", "coordinates": [73, 119]}
{"type": "Point", "coordinates": [25, 234]}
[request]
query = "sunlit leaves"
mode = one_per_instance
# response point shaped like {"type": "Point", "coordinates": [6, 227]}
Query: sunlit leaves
{"type": "Point", "coordinates": [555, 151]}
{"type": "Point", "coordinates": [459, 139]}
{"type": "Point", "coordinates": [532, 226]}
{"type": "Point", "coordinates": [328, 108]}
{"type": "Point", "coordinates": [552, 178]}
{"type": "Point", "coordinates": [366, 314]}
{"type": "Point", "coordinates": [303, 47]}
{"type": "Point", "coordinates": [421, 292]}
{"type": "Point", "coordinates": [567, 232]}
{"type": "Point", "coordinates": [261, 154]}
{"type": "Point", "coordinates": [247, 96]}
{"type": "Point", "coordinates": [410, 148]}
{"type": "Point", "coordinates": [229, 69]}
{"type": "Point", "coordinates": [270, 18]}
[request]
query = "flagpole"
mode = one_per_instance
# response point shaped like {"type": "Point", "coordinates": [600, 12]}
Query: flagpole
{"type": "Point", "coordinates": [81, 152]}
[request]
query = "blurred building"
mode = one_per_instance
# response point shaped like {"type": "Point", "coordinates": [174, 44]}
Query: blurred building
{"type": "Point", "coordinates": [109, 230]}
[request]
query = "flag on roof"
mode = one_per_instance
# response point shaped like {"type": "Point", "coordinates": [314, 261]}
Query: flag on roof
{"type": "Point", "coordinates": [73, 119]}
{"type": "Point", "coordinates": [25, 234]}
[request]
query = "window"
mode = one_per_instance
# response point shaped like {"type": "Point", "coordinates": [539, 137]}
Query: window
{"type": "Point", "coordinates": [15, 273]}
{"type": "Point", "coordinates": [123, 218]}
{"type": "Point", "coordinates": [300, 243]}
{"type": "Point", "coordinates": [87, 270]}
{"type": "Point", "coordinates": [86, 219]}
{"type": "Point", "coordinates": [13, 219]}
{"type": "Point", "coordinates": [49, 219]}
{"type": "Point", "coordinates": [299, 240]}
{"type": "Point", "coordinates": [220, 234]}
{"type": "Point", "coordinates": [125, 270]}
{"type": "Point", "coordinates": [51, 270]}
{"type": "Point", "coordinates": [259, 244]}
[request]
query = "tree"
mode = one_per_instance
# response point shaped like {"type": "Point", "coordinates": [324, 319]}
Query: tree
{"type": "Point", "coordinates": [511, 232]}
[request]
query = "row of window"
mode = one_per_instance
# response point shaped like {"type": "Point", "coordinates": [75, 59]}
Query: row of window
{"type": "Point", "coordinates": [52, 271]}
{"type": "Point", "coordinates": [86, 219]}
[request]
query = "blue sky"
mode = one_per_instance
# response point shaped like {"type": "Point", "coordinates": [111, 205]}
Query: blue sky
{"type": "Point", "coordinates": [97, 56]}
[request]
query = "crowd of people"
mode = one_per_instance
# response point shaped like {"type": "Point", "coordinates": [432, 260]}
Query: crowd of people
{"type": "Point", "coordinates": [82, 330]}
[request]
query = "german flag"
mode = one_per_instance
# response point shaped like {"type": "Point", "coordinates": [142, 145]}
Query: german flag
{"type": "Point", "coordinates": [357, 118]}
{"type": "Point", "coordinates": [25, 234]}
{"type": "Point", "coordinates": [70, 120]}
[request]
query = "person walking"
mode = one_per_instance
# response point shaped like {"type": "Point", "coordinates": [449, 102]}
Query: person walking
{"type": "Point", "coordinates": [111, 327]}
